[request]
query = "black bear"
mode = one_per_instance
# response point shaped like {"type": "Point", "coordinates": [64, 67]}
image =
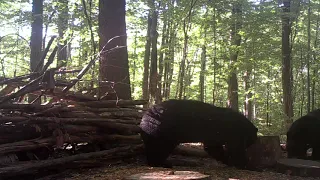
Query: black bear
{"type": "Point", "coordinates": [169, 123]}
{"type": "Point", "coordinates": [304, 133]}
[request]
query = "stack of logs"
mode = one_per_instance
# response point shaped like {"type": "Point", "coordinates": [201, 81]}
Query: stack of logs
{"type": "Point", "coordinates": [38, 132]}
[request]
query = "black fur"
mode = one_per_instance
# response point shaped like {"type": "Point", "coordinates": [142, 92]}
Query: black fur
{"type": "Point", "coordinates": [166, 125]}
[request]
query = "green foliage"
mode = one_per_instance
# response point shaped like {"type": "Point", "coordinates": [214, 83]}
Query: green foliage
{"type": "Point", "coordinates": [210, 21]}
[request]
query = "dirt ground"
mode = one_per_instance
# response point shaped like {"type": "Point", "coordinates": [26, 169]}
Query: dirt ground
{"type": "Point", "coordinates": [121, 169]}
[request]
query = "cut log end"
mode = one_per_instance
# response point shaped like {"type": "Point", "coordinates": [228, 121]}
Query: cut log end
{"type": "Point", "coordinates": [161, 175]}
{"type": "Point", "coordinates": [299, 167]}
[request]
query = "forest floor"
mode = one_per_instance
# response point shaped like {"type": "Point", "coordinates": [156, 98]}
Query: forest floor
{"type": "Point", "coordinates": [98, 169]}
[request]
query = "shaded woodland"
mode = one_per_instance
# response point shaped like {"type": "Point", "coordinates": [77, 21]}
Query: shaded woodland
{"type": "Point", "coordinates": [84, 71]}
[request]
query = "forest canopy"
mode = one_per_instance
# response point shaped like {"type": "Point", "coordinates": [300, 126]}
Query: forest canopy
{"type": "Point", "coordinates": [256, 56]}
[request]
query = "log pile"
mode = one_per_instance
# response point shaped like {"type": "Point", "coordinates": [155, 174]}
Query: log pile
{"type": "Point", "coordinates": [68, 123]}
{"type": "Point", "coordinates": [38, 132]}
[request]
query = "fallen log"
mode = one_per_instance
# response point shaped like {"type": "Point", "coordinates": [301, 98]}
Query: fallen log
{"type": "Point", "coordinates": [52, 110]}
{"type": "Point", "coordinates": [75, 129]}
{"type": "Point", "coordinates": [33, 119]}
{"type": "Point", "coordinates": [32, 166]}
{"type": "Point", "coordinates": [299, 167]}
{"type": "Point", "coordinates": [113, 103]}
{"type": "Point", "coordinates": [78, 114]}
{"type": "Point", "coordinates": [167, 175]}
{"type": "Point", "coordinates": [25, 107]}
{"type": "Point", "coordinates": [101, 110]}
{"type": "Point", "coordinates": [37, 143]}
{"type": "Point", "coordinates": [74, 96]}
{"type": "Point", "coordinates": [120, 114]}
{"type": "Point", "coordinates": [10, 133]}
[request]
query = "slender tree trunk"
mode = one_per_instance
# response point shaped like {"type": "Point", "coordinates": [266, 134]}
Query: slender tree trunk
{"type": "Point", "coordinates": [62, 27]}
{"type": "Point", "coordinates": [202, 73]}
{"type": "Point", "coordinates": [170, 61]}
{"type": "Point", "coordinates": [286, 64]}
{"type": "Point", "coordinates": [36, 39]}
{"type": "Point", "coordinates": [235, 41]}
{"type": "Point", "coordinates": [183, 61]}
{"type": "Point", "coordinates": [166, 62]}
{"type": "Point", "coordinates": [268, 99]}
{"type": "Point", "coordinates": [186, 28]}
{"type": "Point", "coordinates": [302, 86]}
{"type": "Point", "coordinates": [114, 65]}
{"type": "Point", "coordinates": [146, 62]}
{"type": "Point", "coordinates": [215, 56]}
{"type": "Point", "coordinates": [248, 98]}
{"type": "Point", "coordinates": [308, 59]}
{"type": "Point", "coordinates": [153, 81]}
{"type": "Point", "coordinates": [161, 59]}
{"type": "Point", "coordinates": [135, 56]}
{"type": "Point", "coordinates": [314, 74]}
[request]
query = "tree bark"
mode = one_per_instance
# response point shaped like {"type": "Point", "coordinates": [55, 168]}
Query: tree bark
{"type": "Point", "coordinates": [114, 66]}
{"type": "Point", "coordinates": [286, 64]}
{"type": "Point", "coordinates": [36, 40]}
{"type": "Point", "coordinates": [202, 73]}
{"type": "Point", "coordinates": [235, 43]}
{"type": "Point", "coordinates": [62, 27]}
{"type": "Point", "coordinates": [164, 43]}
{"type": "Point", "coordinates": [186, 29]}
{"type": "Point", "coordinates": [308, 60]}
{"type": "Point", "coordinates": [153, 80]}
{"type": "Point", "coordinates": [146, 62]}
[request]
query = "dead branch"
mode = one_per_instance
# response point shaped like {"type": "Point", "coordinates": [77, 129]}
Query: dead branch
{"type": "Point", "coordinates": [90, 121]}
{"type": "Point", "coordinates": [113, 103]}
{"type": "Point", "coordinates": [24, 168]}
{"type": "Point", "coordinates": [45, 142]}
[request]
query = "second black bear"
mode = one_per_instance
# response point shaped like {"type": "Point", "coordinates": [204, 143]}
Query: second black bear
{"type": "Point", "coordinates": [303, 134]}
{"type": "Point", "coordinates": [169, 123]}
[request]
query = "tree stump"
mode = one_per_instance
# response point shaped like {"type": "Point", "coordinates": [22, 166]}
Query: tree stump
{"type": "Point", "coordinates": [265, 152]}
{"type": "Point", "coordinates": [167, 175]}
{"type": "Point", "coordinates": [299, 167]}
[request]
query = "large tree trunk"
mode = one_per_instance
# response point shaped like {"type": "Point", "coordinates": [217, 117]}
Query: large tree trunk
{"type": "Point", "coordinates": [235, 41]}
{"type": "Point", "coordinates": [36, 39]}
{"type": "Point", "coordinates": [286, 64]}
{"type": "Point", "coordinates": [114, 67]}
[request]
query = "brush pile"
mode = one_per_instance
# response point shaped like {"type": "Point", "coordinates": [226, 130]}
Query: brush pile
{"type": "Point", "coordinates": [68, 126]}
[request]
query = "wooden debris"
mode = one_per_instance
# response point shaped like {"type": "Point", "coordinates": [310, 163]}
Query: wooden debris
{"type": "Point", "coordinates": [299, 167]}
{"type": "Point", "coordinates": [29, 167]}
{"type": "Point", "coordinates": [265, 152]}
{"type": "Point", "coordinates": [167, 175]}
